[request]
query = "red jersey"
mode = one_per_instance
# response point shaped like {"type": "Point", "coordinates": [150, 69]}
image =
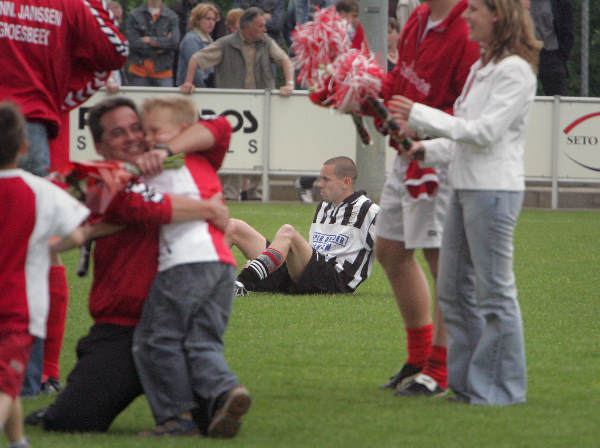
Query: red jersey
{"type": "Point", "coordinates": [195, 241]}
{"type": "Point", "coordinates": [52, 48]}
{"type": "Point", "coordinates": [126, 262]}
{"type": "Point", "coordinates": [432, 69]}
{"type": "Point", "coordinates": [33, 210]}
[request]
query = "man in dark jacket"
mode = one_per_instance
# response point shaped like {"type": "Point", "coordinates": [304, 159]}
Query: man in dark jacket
{"type": "Point", "coordinates": [553, 21]}
{"type": "Point", "coordinates": [153, 33]}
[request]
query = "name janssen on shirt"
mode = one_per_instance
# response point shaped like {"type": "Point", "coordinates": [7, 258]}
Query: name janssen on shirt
{"type": "Point", "coordinates": [32, 13]}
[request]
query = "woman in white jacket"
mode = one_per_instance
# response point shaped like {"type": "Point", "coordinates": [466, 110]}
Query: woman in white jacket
{"type": "Point", "coordinates": [483, 142]}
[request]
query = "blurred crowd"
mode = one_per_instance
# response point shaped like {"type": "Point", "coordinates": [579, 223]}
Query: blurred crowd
{"type": "Point", "coordinates": [164, 39]}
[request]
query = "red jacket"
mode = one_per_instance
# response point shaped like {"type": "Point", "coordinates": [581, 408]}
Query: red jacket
{"type": "Point", "coordinates": [125, 262]}
{"type": "Point", "coordinates": [51, 48]}
{"type": "Point", "coordinates": [433, 71]}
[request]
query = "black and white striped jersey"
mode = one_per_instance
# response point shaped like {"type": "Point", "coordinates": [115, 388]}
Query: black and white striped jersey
{"type": "Point", "coordinates": [346, 234]}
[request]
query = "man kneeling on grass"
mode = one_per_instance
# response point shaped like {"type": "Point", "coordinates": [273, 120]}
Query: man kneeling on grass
{"type": "Point", "coordinates": [336, 259]}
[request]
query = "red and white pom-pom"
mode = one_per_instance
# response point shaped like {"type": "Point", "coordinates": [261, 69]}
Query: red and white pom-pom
{"type": "Point", "coordinates": [356, 75]}
{"type": "Point", "coordinates": [317, 43]}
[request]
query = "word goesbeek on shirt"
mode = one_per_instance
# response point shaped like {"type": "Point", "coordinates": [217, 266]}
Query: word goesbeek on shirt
{"type": "Point", "coordinates": [32, 13]}
{"type": "Point", "coordinates": [24, 33]}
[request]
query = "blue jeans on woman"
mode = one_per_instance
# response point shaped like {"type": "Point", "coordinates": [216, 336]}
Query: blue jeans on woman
{"type": "Point", "coordinates": [478, 295]}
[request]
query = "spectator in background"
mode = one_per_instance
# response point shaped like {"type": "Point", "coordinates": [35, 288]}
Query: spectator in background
{"type": "Point", "coordinates": [392, 43]}
{"type": "Point", "coordinates": [183, 9]}
{"type": "Point", "coordinates": [202, 22]}
{"type": "Point", "coordinates": [243, 60]}
{"type": "Point", "coordinates": [299, 12]}
{"type": "Point", "coordinates": [232, 21]}
{"type": "Point", "coordinates": [273, 10]}
{"type": "Point", "coordinates": [553, 20]}
{"type": "Point", "coordinates": [349, 10]}
{"type": "Point", "coordinates": [116, 78]}
{"type": "Point", "coordinates": [153, 33]}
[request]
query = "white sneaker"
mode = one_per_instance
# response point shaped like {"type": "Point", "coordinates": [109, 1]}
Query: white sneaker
{"type": "Point", "coordinates": [239, 289]}
{"type": "Point", "coordinates": [306, 196]}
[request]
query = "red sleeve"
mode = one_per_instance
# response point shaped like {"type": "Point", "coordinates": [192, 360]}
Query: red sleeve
{"type": "Point", "coordinates": [221, 131]}
{"type": "Point", "coordinates": [139, 204]}
{"type": "Point", "coordinates": [102, 46]}
{"type": "Point", "coordinates": [360, 40]}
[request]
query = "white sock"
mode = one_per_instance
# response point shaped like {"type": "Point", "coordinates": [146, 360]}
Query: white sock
{"type": "Point", "coordinates": [19, 444]}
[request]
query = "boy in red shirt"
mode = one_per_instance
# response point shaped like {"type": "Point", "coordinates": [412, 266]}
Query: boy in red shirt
{"type": "Point", "coordinates": [34, 210]}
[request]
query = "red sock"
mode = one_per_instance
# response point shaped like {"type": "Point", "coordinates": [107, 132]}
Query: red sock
{"type": "Point", "coordinates": [55, 326]}
{"type": "Point", "coordinates": [418, 341]}
{"type": "Point", "coordinates": [436, 367]}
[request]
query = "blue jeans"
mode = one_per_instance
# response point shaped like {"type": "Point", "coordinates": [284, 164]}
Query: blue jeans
{"type": "Point", "coordinates": [33, 375]}
{"type": "Point", "coordinates": [178, 342]}
{"type": "Point", "coordinates": [477, 293]}
{"type": "Point", "coordinates": [37, 159]}
{"type": "Point", "coordinates": [139, 81]}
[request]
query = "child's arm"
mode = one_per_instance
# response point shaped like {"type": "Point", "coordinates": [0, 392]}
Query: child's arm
{"type": "Point", "coordinates": [208, 136]}
{"type": "Point", "coordinates": [81, 235]}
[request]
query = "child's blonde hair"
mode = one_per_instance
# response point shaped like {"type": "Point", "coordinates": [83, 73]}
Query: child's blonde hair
{"type": "Point", "coordinates": [183, 111]}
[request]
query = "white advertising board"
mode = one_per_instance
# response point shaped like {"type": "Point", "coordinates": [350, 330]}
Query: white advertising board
{"type": "Point", "coordinates": [579, 140]}
{"type": "Point", "coordinates": [295, 136]}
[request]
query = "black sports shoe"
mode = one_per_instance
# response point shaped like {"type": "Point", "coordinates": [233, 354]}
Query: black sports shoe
{"type": "Point", "coordinates": [403, 377]}
{"type": "Point", "coordinates": [51, 386]}
{"type": "Point", "coordinates": [227, 419]}
{"type": "Point", "coordinates": [422, 386]}
{"type": "Point", "coordinates": [36, 417]}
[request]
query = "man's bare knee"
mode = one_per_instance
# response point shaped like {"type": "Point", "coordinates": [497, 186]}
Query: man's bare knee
{"type": "Point", "coordinates": [232, 230]}
{"type": "Point", "coordinates": [286, 231]}
{"type": "Point", "coordinates": [391, 253]}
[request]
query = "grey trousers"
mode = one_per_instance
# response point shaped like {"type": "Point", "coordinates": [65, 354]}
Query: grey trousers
{"type": "Point", "coordinates": [178, 343]}
{"type": "Point", "coordinates": [477, 293]}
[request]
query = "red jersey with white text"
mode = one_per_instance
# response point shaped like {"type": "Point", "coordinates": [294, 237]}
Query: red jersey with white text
{"type": "Point", "coordinates": [53, 48]}
{"type": "Point", "coordinates": [195, 241]}
{"type": "Point", "coordinates": [432, 68]}
{"type": "Point", "coordinates": [126, 262]}
{"type": "Point", "coordinates": [33, 210]}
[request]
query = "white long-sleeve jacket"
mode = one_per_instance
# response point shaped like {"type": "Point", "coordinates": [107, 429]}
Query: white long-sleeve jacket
{"type": "Point", "coordinates": [484, 141]}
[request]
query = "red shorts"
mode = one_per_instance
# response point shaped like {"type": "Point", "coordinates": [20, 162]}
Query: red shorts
{"type": "Point", "coordinates": [14, 355]}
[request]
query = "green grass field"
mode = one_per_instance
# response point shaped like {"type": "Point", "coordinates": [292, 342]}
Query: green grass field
{"type": "Point", "coordinates": [313, 364]}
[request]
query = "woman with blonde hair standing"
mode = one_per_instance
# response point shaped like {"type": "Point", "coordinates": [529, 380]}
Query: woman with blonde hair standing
{"type": "Point", "coordinates": [203, 18]}
{"type": "Point", "coordinates": [483, 143]}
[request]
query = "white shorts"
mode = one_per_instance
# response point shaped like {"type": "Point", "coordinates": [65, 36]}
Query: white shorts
{"type": "Point", "coordinates": [417, 223]}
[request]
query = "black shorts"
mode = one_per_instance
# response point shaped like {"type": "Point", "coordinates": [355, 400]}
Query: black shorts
{"type": "Point", "coordinates": [319, 277]}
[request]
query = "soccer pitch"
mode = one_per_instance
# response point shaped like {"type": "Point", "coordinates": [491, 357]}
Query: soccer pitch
{"type": "Point", "coordinates": [313, 364]}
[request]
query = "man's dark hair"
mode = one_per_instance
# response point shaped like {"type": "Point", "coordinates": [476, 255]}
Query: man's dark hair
{"type": "Point", "coordinates": [96, 113]}
{"type": "Point", "coordinates": [12, 132]}
{"type": "Point", "coordinates": [249, 15]}
{"type": "Point", "coordinates": [346, 6]}
{"type": "Point", "coordinates": [344, 167]}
